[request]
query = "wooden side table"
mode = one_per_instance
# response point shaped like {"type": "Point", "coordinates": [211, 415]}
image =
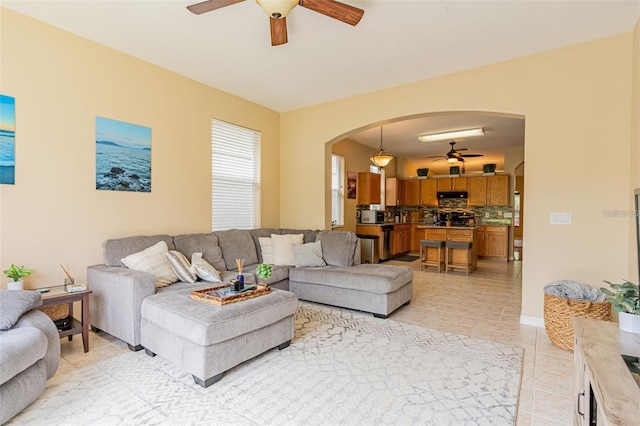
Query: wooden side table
{"type": "Point", "coordinates": [57, 296]}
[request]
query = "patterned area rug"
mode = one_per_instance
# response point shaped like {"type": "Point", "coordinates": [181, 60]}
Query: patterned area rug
{"type": "Point", "coordinates": [343, 367]}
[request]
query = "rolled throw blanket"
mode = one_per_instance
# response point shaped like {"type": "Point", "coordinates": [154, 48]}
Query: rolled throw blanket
{"type": "Point", "coordinates": [574, 290]}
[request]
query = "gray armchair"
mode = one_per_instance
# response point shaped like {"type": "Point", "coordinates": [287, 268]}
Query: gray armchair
{"type": "Point", "coordinates": [29, 350]}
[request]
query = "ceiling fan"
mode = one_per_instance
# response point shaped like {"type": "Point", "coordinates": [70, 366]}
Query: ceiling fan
{"type": "Point", "coordinates": [454, 154]}
{"type": "Point", "coordinates": [278, 10]}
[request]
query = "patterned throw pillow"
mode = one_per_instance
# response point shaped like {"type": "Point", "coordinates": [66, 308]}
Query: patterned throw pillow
{"type": "Point", "coordinates": [181, 266]}
{"type": "Point", "coordinates": [266, 246]}
{"type": "Point", "coordinates": [308, 255]}
{"type": "Point", "coordinates": [154, 261]}
{"type": "Point", "coordinates": [283, 248]}
{"type": "Point", "coordinates": [203, 269]}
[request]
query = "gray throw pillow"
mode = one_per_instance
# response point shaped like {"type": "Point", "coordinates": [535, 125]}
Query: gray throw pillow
{"type": "Point", "coordinates": [308, 255]}
{"type": "Point", "coordinates": [14, 303]}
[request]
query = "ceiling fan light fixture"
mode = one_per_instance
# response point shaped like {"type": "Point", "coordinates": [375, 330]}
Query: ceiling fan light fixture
{"type": "Point", "coordinates": [452, 160]}
{"type": "Point", "coordinates": [381, 159]}
{"type": "Point", "coordinates": [456, 134]}
{"type": "Point", "coordinates": [277, 8]}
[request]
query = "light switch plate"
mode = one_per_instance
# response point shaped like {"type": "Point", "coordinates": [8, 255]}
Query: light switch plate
{"type": "Point", "coordinates": [560, 218]}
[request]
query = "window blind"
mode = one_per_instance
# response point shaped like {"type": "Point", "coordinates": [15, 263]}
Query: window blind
{"type": "Point", "coordinates": [235, 176]}
{"type": "Point", "coordinates": [337, 190]}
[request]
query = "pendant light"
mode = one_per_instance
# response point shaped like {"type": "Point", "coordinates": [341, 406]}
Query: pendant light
{"type": "Point", "coordinates": [381, 159]}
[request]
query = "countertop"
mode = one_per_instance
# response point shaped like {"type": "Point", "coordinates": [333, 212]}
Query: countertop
{"type": "Point", "coordinates": [422, 225]}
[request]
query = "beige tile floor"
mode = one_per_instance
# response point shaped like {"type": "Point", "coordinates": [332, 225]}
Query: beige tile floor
{"type": "Point", "coordinates": [485, 304]}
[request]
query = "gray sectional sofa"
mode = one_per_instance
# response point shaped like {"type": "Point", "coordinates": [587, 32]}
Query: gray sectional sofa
{"type": "Point", "coordinates": [119, 292]}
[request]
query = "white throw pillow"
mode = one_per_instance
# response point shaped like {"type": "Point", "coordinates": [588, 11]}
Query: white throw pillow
{"type": "Point", "coordinates": [203, 269]}
{"type": "Point", "coordinates": [283, 248]}
{"type": "Point", "coordinates": [266, 246]}
{"type": "Point", "coordinates": [153, 260]}
{"type": "Point", "coordinates": [309, 255]}
{"type": "Point", "coordinates": [181, 266]}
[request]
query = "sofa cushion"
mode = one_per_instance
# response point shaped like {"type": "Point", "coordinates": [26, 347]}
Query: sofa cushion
{"type": "Point", "coordinates": [207, 244]}
{"type": "Point", "coordinates": [116, 249]}
{"type": "Point", "coordinates": [203, 269]}
{"type": "Point", "coordinates": [266, 253]}
{"type": "Point", "coordinates": [19, 349]}
{"type": "Point", "coordinates": [308, 255]}
{"type": "Point", "coordinates": [258, 233]}
{"type": "Point", "coordinates": [309, 235]}
{"type": "Point", "coordinates": [154, 260]}
{"type": "Point", "coordinates": [14, 303]}
{"type": "Point", "coordinates": [370, 278]}
{"type": "Point", "coordinates": [338, 247]}
{"type": "Point", "coordinates": [278, 273]}
{"type": "Point", "coordinates": [181, 266]}
{"type": "Point", "coordinates": [237, 244]}
{"type": "Point", "coordinates": [283, 248]}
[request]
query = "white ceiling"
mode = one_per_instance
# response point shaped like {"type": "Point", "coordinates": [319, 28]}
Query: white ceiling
{"type": "Point", "coordinates": [396, 42]}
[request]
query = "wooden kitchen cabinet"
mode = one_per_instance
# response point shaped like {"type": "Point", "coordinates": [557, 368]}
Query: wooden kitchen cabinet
{"type": "Point", "coordinates": [428, 192]}
{"type": "Point", "coordinates": [369, 188]}
{"type": "Point", "coordinates": [417, 234]}
{"type": "Point", "coordinates": [401, 239]}
{"type": "Point", "coordinates": [395, 192]}
{"type": "Point", "coordinates": [498, 190]}
{"type": "Point", "coordinates": [477, 187]}
{"type": "Point", "coordinates": [453, 184]}
{"type": "Point", "coordinates": [493, 241]}
{"type": "Point", "coordinates": [421, 192]}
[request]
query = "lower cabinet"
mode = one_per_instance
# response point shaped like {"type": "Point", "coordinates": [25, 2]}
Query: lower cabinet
{"type": "Point", "coordinates": [493, 241]}
{"type": "Point", "coordinates": [401, 239]}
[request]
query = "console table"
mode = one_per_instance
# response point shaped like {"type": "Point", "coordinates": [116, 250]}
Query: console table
{"type": "Point", "coordinates": [58, 296]}
{"type": "Point", "coordinates": [605, 392]}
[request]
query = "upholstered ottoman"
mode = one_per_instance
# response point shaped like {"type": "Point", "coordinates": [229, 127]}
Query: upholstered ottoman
{"type": "Point", "coordinates": [206, 340]}
{"type": "Point", "coordinates": [379, 289]}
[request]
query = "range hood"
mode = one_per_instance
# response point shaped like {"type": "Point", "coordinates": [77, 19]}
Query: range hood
{"type": "Point", "coordinates": [460, 195]}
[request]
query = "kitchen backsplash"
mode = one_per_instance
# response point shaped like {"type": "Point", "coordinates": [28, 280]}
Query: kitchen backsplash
{"type": "Point", "coordinates": [483, 214]}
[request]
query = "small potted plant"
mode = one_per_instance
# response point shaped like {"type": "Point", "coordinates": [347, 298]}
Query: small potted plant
{"type": "Point", "coordinates": [16, 273]}
{"type": "Point", "coordinates": [263, 272]}
{"type": "Point", "coordinates": [625, 299]}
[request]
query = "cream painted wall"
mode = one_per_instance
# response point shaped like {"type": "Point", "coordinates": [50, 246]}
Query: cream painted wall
{"type": "Point", "coordinates": [635, 148]}
{"type": "Point", "coordinates": [356, 157]}
{"type": "Point", "coordinates": [576, 101]}
{"type": "Point", "coordinates": [53, 214]}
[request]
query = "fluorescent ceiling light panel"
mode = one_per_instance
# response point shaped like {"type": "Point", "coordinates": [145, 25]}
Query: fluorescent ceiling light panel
{"type": "Point", "coordinates": [456, 134]}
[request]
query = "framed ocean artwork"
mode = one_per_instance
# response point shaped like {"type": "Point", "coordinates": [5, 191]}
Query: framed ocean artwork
{"type": "Point", "coordinates": [7, 140]}
{"type": "Point", "coordinates": [123, 156]}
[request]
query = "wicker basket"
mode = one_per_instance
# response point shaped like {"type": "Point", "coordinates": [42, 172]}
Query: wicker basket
{"type": "Point", "coordinates": [56, 312]}
{"type": "Point", "coordinates": [557, 317]}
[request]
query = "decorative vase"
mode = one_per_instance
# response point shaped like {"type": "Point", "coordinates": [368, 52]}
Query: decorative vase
{"type": "Point", "coordinates": [629, 322]}
{"type": "Point", "coordinates": [240, 278]}
{"type": "Point", "coordinates": [15, 285]}
{"type": "Point", "coordinates": [423, 172]}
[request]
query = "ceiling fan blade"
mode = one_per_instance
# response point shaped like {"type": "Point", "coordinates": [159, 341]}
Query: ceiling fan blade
{"type": "Point", "coordinates": [209, 5]}
{"type": "Point", "coordinates": [471, 155]}
{"type": "Point", "coordinates": [334, 9]}
{"type": "Point", "coordinates": [278, 30]}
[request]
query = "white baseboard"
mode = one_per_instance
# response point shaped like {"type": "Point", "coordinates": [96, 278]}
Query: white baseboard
{"type": "Point", "coordinates": [534, 321]}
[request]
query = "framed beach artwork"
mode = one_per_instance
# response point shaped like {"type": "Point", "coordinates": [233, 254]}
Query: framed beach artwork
{"type": "Point", "coordinates": [7, 140]}
{"type": "Point", "coordinates": [123, 156]}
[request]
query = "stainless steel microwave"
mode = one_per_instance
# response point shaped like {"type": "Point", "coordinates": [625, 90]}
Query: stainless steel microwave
{"type": "Point", "coordinates": [372, 216]}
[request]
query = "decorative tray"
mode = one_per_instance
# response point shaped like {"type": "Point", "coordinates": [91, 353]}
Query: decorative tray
{"type": "Point", "coordinates": [223, 295]}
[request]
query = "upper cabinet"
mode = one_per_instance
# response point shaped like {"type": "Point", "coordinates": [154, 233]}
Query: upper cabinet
{"type": "Point", "coordinates": [395, 192]}
{"type": "Point", "coordinates": [488, 190]}
{"type": "Point", "coordinates": [477, 191]}
{"type": "Point", "coordinates": [421, 192]}
{"type": "Point", "coordinates": [368, 188]}
{"type": "Point", "coordinates": [498, 190]}
{"type": "Point", "coordinates": [453, 184]}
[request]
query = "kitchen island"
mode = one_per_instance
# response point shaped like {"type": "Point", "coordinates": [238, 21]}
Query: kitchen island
{"type": "Point", "coordinates": [449, 233]}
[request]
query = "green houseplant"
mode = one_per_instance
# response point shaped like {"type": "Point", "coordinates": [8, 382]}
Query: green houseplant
{"type": "Point", "coordinates": [625, 299]}
{"type": "Point", "coordinates": [16, 273]}
{"type": "Point", "coordinates": [263, 271]}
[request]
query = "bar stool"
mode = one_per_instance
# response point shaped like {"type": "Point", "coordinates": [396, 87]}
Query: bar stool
{"type": "Point", "coordinates": [424, 253]}
{"type": "Point", "coordinates": [458, 245]}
